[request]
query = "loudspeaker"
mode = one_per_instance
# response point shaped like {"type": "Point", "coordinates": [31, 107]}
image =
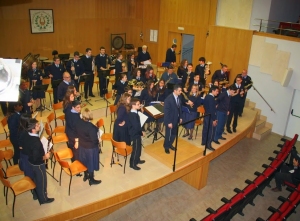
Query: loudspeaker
{"type": "Point", "coordinates": [286, 77]}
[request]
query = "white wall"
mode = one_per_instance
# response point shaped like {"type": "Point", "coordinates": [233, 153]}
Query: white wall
{"type": "Point", "coordinates": [280, 98]}
{"type": "Point", "coordinates": [260, 9]}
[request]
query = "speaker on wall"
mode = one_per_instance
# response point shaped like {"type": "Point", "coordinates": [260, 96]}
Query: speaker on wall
{"type": "Point", "coordinates": [286, 77]}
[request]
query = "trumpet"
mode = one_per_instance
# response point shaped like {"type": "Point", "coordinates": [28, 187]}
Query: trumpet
{"type": "Point", "coordinates": [207, 70]}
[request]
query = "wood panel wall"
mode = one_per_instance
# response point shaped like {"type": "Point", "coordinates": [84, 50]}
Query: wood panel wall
{"type": "Point", "coordinates": [231, 47]}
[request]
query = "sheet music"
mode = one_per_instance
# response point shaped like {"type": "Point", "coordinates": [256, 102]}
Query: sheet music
{"type": "Point", "coordinates": [153, 110]}
{"type": "Point", "coordinates": [143, 118]}
{"type": "Point", "coordinates": [45, 144]}
{"type": "Point", "coordinates": [100, 132]}
{"type": "Point", "coordinates": [155, 102]}
{"type": "Point", "coordinates": [147, 62]}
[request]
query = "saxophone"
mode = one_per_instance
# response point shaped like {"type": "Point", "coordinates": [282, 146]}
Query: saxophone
{"type": "Point", "coordinates": [166, 83]}
{"type": "Point", "coordinates": [186, 97]}
{"type": "Point", "coordinates": [187, 80]}
{"type": "Point", "coordinates": [206, 69]}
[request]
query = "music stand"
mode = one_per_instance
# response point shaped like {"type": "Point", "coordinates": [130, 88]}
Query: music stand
{"type": "Point", "coordinates": [43, 88]}
{"type": "Point", "coordinates": [84, 78]}
{"type": "Point", "coordinates": [104, 74]}
{"type": "Point", "coordinates": [160, 108]}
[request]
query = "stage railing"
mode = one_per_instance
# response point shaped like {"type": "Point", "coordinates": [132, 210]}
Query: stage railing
{"type": "Point", "coordinates": [184, 123]}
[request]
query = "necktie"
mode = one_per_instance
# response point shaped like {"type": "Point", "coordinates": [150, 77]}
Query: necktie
{"type": "Point", "coordinates": [177, 100]}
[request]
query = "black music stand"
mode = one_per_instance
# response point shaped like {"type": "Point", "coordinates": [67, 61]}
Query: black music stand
{"type": "Point", "coordinates": [104, 74]}
{"type": "Point", "coordinates": [39, 88]}
{"type": "Point", "coordinates": [156, 118]}
{"type": "Point", "coordinates": [84, 78]}
{"type": "Point", "coordinates": [55, 83]}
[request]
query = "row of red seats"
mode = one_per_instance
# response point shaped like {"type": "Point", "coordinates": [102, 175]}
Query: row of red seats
{"type": "Point", "coordinates": [246, 196]}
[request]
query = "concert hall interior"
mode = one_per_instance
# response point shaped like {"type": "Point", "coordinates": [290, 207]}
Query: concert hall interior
{"type": "Point", "coordinates": [244, 35]}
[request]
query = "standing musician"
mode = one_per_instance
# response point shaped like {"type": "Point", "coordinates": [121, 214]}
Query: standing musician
{"type": "Point", "coordinates": [149, 75]}
{"type": "Point", "coordinates": [88, 63]}
{"type": "Point", "coordinates": [196, 81]}
{"type": "Point", "coordinates": [25, 97]}
{"type": "Point", "coordinates": [35, 77]}
{"type": "Point", "coordinates": [235, 103]}
{"type": "Point", "coordinates": [172, 116]}
{"type": "Point", "coordinates": [103, 62]}
{"type": "Point", "coordinates": [192, 100]}
{"type": "Point", "coordinates": [182, 68]}
{"type": "Point", "coordinates": [247, 84]}
{"type": "Point", "coordinates": [221, 75]}
{"type": "Point", "coordinates": [118, 65]}
{"type": "Point", "coordinates": [55, 72]}
{"type": "Point", "coordinates": [188, 76]}
{"type": "Point", "coordinates": [75, 68]}
{"type": "Point", "coordinates": [87, 142]}
{"type": "Point", "coordinates": [131, 64]}
{"type": "Point", "coordinates": [120, 132]}
{"type": "Point", "coordinates": [210, 123]}
{"type": "Point", "coordinates": [37, 157]}
{"type": "Point", "coordinates": [200, 69]}
{"type": "Point", "coordinates": [119, 87]}
{"type": "Point", "coordinates": [160, 91]}
{"type": "Point", "coordinates": [171, 55]}
{"type": "Point", "coordinates": [143, 55]}
{"type": "Point", "coordinates": [63, 86]}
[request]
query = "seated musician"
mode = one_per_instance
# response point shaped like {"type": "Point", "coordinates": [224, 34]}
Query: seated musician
{"type": "Point", "coordinates": [149, 75]}
{"type": "Point", "coordinates": [143, 55]}
{"type": "Point", "coordinates": [25, 97]}
{"type": "Point", "coordinates": [128, 90]}
{"type": "Point", "coordinates": [148, 94]}
{"type": "Point", "coordinates": [192, 100]}
{"type": "Point", "coordinates": [131, 64]}
{"type": "Point", "coordinates": [35, 78]}
{"type": "Point", "coordinates": [160, 91]}
{"type": "Point", "coordinates": [214, 83]}
{"type": "Point", "coordinates": [137, 74]}
{"type": "Point", "coordinates": [188, 76]}
{"type": "Point", "coordinates": [182, 69]}
{"type": "Point", "coordinates": [119, 87]}
{"type": "Point", "coordinates": [63, 86]}
{"type": "Point", "coordinates": [196, 81]}
{"type": "Point", "coordinates": [221, 75]}
{"type": "Point", "coordinates": [75, 68]}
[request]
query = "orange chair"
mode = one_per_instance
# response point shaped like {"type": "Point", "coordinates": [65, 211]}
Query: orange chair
{"type": "Point", "coordinates": [120, 148]}
{"type": "Point", "coordinates": [8, 154]}
{"type": "Point", "coordinates": [199, 122]}
{"type": "Point", "coordinates": [17, 188]}
{"type": "Point", "coordinates": [4, 126]}
{"type": "Point", "coordinates": [105, 136]}
{"type": "Point", "coordinates": [61, 117]}
{"type": "Point", "coordinates": [71, 169]}
{"type": "Point", "coordinates": [113, 109]}
{"type": "Point", "coordinates": [58, 129]}
{"type": "Point", "coordinates": [49, 91]}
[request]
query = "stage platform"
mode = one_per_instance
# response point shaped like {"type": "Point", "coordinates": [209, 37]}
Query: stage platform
{"type": "Point", "coordinates": [118, 189]}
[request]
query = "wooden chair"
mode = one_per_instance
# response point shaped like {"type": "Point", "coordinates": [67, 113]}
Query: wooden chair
{"type": "Point", "coordinates": [49, 91]}
{"type": "Point", "coordinates": [120, 148]}
{"type": "Point", "coordinates": [58, 129]}
{"type": "Point", "coordinates": [113, 109]}
{"type": "Point", "coordinates": [17, 188]}
{"type": "Point", "coordinates": [71, 169]}
{"type": "Point", "coordinates": [5, 128]}
{"type": "Point", "coordinates": [61, 117]}
{"type": "Point", "coordinates": [105, 136]}
{"type": "Point", "coordinates": [199, 122]}
{"type": "Point", "coordinates": [8, 153]}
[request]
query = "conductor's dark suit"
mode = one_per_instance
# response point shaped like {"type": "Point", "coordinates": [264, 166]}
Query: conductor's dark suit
{"type": "Point", "coordinates": [170, 56]}
{"type": "Point", "coordinates": [172, 114]}
{"type": "Point", "coordinates": [208, 128]}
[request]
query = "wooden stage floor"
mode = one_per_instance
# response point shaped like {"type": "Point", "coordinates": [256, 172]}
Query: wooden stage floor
{"type": "Point", "coordinates": [117, 189]}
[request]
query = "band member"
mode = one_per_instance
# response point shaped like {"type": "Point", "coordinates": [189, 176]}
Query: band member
{"type": "Point", "coordinates": [25, 97]}
{"type": "Point", "coordinates": [193, 102]}
{"type": "Point", "coordinates": [128, 90]}
{"type": "Point", "coordinates": [87, 142]}
{"type": "Point", "coordinates": [235, 103]}
{"type": "Point", "coordinates": [160, 91]}
{"type": "Point", "coordinates": [120, 132]}
{"type": "Point", "coordinates": [149, 75]}
{"type": "Point", "coordinates": [88, 63]}
{"type": "Point", "coordinates": [67, 101]}
{"type": "Point", "coordinates": [137, 74]}
{"type": "Point", "coordinates": [103, 62]}
{"type": "Point", "coordinates": [63, 86]}
{"type": "Point", "coordinates": [170, 78]}
{"type": "Point", "coordinates": [55, 72]}
{"type": "Point", "coordinates": [54, 54]}
{"type": "Point", "coordinates": [136, 133]}
{"type": "Point", "coordinates": [118, 65]}
{"type": "Point", "coordinates": [171, 55]}
{"type": "Point", "coordinates": [13, 122]}
{"type": "Point", "coordinates": [172, 116]}
{"type": "Point", "coordinates": [200, 69]}
{"type": "Point", "coordinates": [143, 55]}
{"type": "Point", "coordinates": [247, 84]}
{"type": "Point", "coordinates": [35, 78]}
{"type": "Point", "coordinates": [37, 157]}
{"type": "Point", "coordinates": [223, 107]}
{"type": "Point", "coordinates": [182, 68]}
{"type": "Point", "coordinates": [209, 122]}
{"type": "Point", "coordinates": [196, 81]}
{"type": "Point", "coordinates": [72, 117]}
{"type": "Point", "coordinates": [119, 87]}
{"type": "Point", "coordinates": [131, 64]}
{"type": "Point", "coordinates": [188, 76]}
{"type": "Point", "coordinates": [75, 68]}
{"type": "Point", "coordinates": [221, 75]}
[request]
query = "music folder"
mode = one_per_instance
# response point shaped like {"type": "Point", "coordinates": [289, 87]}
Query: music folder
{"type": "Point", "coordinates": [103, 73]}
{"type": "Point", "coordinates": [143, 118]}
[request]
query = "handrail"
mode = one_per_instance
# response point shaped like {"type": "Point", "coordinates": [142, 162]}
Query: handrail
{"type": "Point", "coordinates": [263, 99]}
{"type": "Point", "coordinates": [294, 114]}
{"type": "Point", "coordinates": [277, 28]}
{"type": "Point", "coordinates": [289, 29]}
{"type": "Point", "coordinates": [275, 21]}
{"type": "Point", "coordinates": [187, 51]}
